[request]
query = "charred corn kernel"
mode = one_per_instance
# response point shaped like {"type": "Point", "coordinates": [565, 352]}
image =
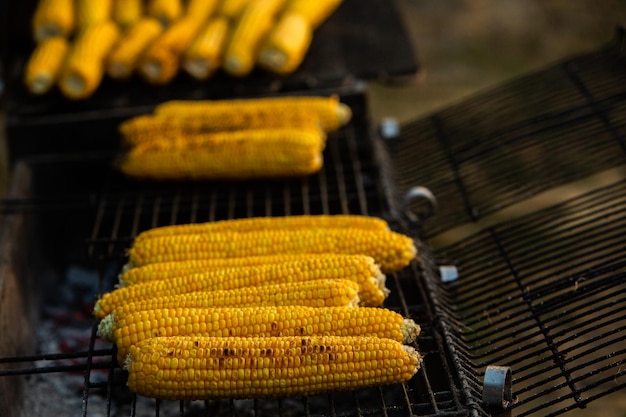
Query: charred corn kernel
{"type": "Point", "coordinates": [90, 12]}
{"type": "Point", "coordinates": [201, 9]}
{"type": "Point", "coordinates": [391, 250]}
{"type": "Point", "coordinates": [85, 63]}
{"type": "Point", "coordinates": [53, 18]}
{"type": "Point", "coordinates": [192, 367]}
{"type": "Point", "coordinates": [127, 13]}
{"type": "Point", "coordinates": [161, 61]}
{"type": "Point", "coordinates": [255, 21]}
{"type": "Point", "coordinates": [130, 329]}
{"type": "Point", "coordinates": [314, 293]}
{"type": "Point", "coordinates": [331, 112]}
{"type": "Point", "coordinates": [241, 154]}
{"type": "Point", "coordinates": [44, 65]}
{"type": "Point", "coordinates": [315, 11]}
{"type": "Point", "coordinates": [204, 56]}
{"type": "Point", "coordinates": [320, 221]}
{"type": "Point", "coordinates": [362, 270]}
{"type": "Point", "coordinates": [231, 9]}
{"type": "Point", "coordinates": [285, 46]}
{"type": "Point", "coordinates": [165, 11]}
{"type": "Point", "coordinates": [123, 59]}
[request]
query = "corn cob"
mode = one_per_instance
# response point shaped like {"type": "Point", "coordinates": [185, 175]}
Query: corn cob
{"type": "Point", "coordinates": [392, 251]}
{"type": "Point", "coordinates": [315, 11]}
{"type": "Point", "coordinates": [231, 9]}
{"type": "Point", "coordinates": [123, 59]}
{"type": "Point", "coordinates": [362, 270]}
{"type": "Point", "coordinates": [204, 56]}
{"type": "Point", "coordinates": [86, 60]}
{"type": "Point", "coordinates": [331, 113]}
{"type": "Point", "coordinates": [53, 18]}
{"type": "Point", "coordinates": [44, 65]}
{"type": "Point", "coordinates": [127, 13]}
{"type": "Point", "coordinates": [187, 368]}
{"type": "Point", "coordinates": [254, 22]}
{"type": "Point", "coordinates": [161, 61]}
{"type": "Point", "coordinates": [285, 46]}
{"type": "Point", "coordinates": [165, 11]}
{"type": "Point", "coordinates": [90, 12]}
{"type": "Point", "coordinates": [314, 293]}
{"type": "Point", "coordinates": [132, 328]}
{"type": "Point", "coordinates": [201, 9]}
{"type": "Point", "coordinates": [319, 221]}
{"type": "Point", "coordinates": [244, 154]}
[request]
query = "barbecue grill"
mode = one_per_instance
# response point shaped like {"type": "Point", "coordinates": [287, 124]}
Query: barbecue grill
{"type": "Point", "coordinates": [532, 324]}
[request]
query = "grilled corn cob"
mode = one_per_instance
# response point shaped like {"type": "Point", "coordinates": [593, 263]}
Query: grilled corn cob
{"type": "Point", "coordinates": [314, 293]}
{"type": "Point", "coordinates": [127, 13]}
{"type": "Point", "coordinates": [90, 12]}
{"type": "Point", "coordinates": [161, 60]}
{"type": "Point", "coordinates": [331, 112]}
{"type": "Point", "coordinates": [319, 221]}
{"type": "Point", "coordinates": [254, 22]}
{"type": "Point", "coordinates": [204, 56]}
{"type": "Point", "coordinates": [165, 11]}
{"type": "Point", "coordinates": [86, 60]}
{"type": "Point", "coordinates": [260, 153]}
{"type": "Point", "coordinates": [315, 11]}
{"type": "Point", "coordinates": [391, 250]}
{"type": "Point", "coordinates": [362, 270]}
{"type": "Point", "coordinates": [130, 329]}
{"type": "Point", "coordinates": [181, 368]}
{"type": "Point", "coordinates": [231, 9]}
{"type": "Point", "coordinates": [123, 59]}
{"type": "Point", "coordinates": [285, 46]}
{"type": "Point", "coordinates": [53, 18]}
{"type": "Point", "coordinates": [44, 65]}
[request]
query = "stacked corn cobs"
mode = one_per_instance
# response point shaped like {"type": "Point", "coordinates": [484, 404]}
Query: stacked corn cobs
{"type": "Point", "coordinates": [231, 139]}
{"type": "Point", "coordinates": [78, 41]}
{"type": "Point", "coordinates": [261, 307]}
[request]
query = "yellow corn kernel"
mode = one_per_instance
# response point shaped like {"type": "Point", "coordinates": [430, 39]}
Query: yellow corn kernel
{"type": "Point", "coordinates": [314, 293]}
{"type": "Point", "coordinates": [319, 221]}
{"type": "Point", "coordinates": [165, 11]}
{"type": "Point", "coordinates": [123, 59]}
{"type": "Point", "coordinates": [242, 154]}
{"type": "Point", "coordinates": [362, 270]}
{"type": "Point", "coordinates": [127, 13]}
{"type": "Point", "coordinates": [44, 65]}
{"type": "Point", "coordinates": [255, 21]}
{"type": "Point", "coordinates": [392, 251]}
{"type": "Point", "coordinates": [315, 11]}
{"type": "Point", "coordinates": [161, 61]}
{"type": "Point", "coordinates": [331, 112]}
{"type": "Point", "coordinates": [53, 18]}
{"type": "Point", "coordinates": [232, 9]}
{"type": "Point", "coordinates": [86, 60]}
{"type": "Point", "coordinates": [130, 329]}
{"type": "Point", "coordinates": [192, 367]}
{"type": "Point", "coordinates": [90, 12]}
{"type": "Point", "coordinates": [201, 9]}
{"type": "Point", "coordinates": [285, 46]}
{"type": "Point", "coordinates": [204, 56]}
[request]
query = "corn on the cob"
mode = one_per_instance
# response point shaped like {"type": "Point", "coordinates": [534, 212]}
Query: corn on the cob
{"type": "Point", "coordinates": [314, 293]}
{"type": "Point", "coordinates": [201, 9]}
{"type": "Point", "coordinates": [130, 329]}
{"type": "Point", "coordinates": [181, 368]}
{"type": "Point", "coordinates": [285, 46]}
{"type": "Point", "coordinates": [391, 250]}
{"type": "Point", "coordinates": [362, 270]}
{"type": "Point", "coordinates": [331, 112]}
{"type": "Point", "coordinates": [305, 221]}
{"type": "Point", "coordinates": [85, 63]}
{"type": "Point", "coordinates": [123, 59]}
{"type": "Point", "coordinates": [44, 65]}
{"type": "Point", "coordinates": [204, 56]}
{"type": "Point", "coordinates": [232, 9]}
{"type": "Point", "coordinates": [161, 60]}
{"type": "Point", "coordinates": [242, 154]}
{"type": "Point", "coordinates": [315, 11]}
{"type": "Point", "coordinates": [53, 18]}
{"type": "Point", "coordinates": [255, 21]}
{"type": "Point", "coordinates": [90, 12]}
{"type": "Point", "coordinates": [127, 13]}
{"type": "Point", "coordinates": [165, 11]}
